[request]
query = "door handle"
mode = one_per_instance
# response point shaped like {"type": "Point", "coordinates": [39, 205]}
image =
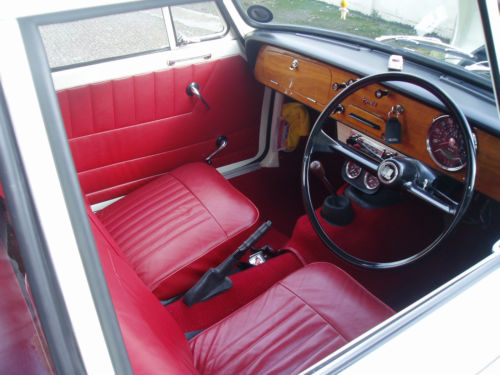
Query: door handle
{"type": "Point", "coordinates": [194, 89]}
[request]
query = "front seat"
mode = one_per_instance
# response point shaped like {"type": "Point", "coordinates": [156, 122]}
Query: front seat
{"type": "Point", "coordinates": [298, 321]}
{"type": "Point", "coordinates": [174, 228]}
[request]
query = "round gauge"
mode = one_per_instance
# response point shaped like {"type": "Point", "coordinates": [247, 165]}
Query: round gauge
{"type": "Point", "coordinates": [371, 182]}
{"type": "Point", "coordinates": [352, 170]}
{"type": "Point", "coordinates": [445, 144]}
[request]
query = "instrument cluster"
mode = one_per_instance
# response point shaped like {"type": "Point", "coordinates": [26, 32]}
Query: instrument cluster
{"type": "Point", "coordinates": [445, 144]}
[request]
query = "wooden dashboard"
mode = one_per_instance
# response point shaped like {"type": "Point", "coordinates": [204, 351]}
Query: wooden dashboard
{"type": "Point", "coordinates": [315, 83]}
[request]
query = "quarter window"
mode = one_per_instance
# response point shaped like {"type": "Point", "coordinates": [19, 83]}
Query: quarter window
{"type": "Point", "coordinates": [197, 21]}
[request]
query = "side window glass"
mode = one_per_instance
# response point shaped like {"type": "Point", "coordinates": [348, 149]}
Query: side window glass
{"type": "Point", "coordinates": [24, 349]}
{"type": "Point", "coordinates": [196, 22]}
{"type": "Point", "coordinates": [102, 38]}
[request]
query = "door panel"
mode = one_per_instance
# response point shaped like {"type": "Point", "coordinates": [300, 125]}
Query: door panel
{"type": "Point", "coordinates": [124, 132]}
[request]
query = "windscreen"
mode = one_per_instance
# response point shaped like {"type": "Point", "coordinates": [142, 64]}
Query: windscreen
{"type": "Point", "coordinates": [448, 31]}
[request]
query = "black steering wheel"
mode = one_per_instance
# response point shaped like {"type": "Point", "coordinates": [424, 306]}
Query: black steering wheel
{"type": "Point", "coordinates": [404, 173]}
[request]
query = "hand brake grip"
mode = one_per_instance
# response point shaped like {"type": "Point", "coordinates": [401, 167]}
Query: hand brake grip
{"type": "Point", "coordinates": [255, 236]}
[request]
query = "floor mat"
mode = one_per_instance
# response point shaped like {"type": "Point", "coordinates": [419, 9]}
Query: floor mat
{"type": "Point", "coordinates": [276, 194]}
{"type": "Point", "coordinates": [402, 286]}
{"type": "Point", "coordinates": [276, 191]}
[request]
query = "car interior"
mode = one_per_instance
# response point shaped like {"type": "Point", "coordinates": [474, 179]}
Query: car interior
{"type": "Point", "coordinates": [256, 209]}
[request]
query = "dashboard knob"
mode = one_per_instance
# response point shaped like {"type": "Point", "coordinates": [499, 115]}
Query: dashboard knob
{"type": "Point", "coordinates": [339, 109]}
{"type": "Point", "coordinates": [381, 93]}
{"type": "Point", "coordinates": [337, 86]}
{"type": "Point", "coordinates": [294, 65]}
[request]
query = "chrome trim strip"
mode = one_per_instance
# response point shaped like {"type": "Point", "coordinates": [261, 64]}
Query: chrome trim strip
{"type": "Point", "coordinates": [172, 62]}
{"type": "Point", "coordinates": [241, 170]}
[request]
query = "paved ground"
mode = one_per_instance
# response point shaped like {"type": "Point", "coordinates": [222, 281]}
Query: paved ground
{"type": "Point", "coordinates": [117, 35]}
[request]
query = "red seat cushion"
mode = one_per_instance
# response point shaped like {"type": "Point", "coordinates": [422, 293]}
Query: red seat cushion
{"type": "Point", "coordinates": [179, 225]}
{"type": "Point", "coordinates": [297, 322]}
{"type": "Point", "coordinates": [154, 341]}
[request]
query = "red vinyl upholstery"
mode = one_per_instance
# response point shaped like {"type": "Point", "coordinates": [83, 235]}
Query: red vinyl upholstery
{"type": "Point", "coordinates": [302, 318]}
{"type": "Point", "coordinates": [179, 225]}
{"type": "Point", "coordinates": [154, 342]}
{"type": "Point", "coordinates": [124, 132]}
{"type": "Point", "coordinates": [22, 350]}
{"type": "Point", "coordinates": [297, 322]}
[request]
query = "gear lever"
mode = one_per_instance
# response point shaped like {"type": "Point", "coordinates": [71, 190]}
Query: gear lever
{"type": "Point", "coordinates": [319, 171]}
{"type": "Point", "coordinates": [336, 209]}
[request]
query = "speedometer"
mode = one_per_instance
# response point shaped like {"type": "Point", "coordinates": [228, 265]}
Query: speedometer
{"type": "Point", "coordinates": [445, 144]}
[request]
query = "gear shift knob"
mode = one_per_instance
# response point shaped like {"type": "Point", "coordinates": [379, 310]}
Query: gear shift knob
{"type": "Point", "coordinates": [319, 171]}
{"type": "Point", "coordinates": [317, 168]}
{"type": "Point", "coordinates": [336, 209]}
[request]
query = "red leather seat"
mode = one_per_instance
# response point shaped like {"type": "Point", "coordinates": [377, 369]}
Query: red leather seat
{"type": "Point", "coordinates": [304, 317]}
{"type": "Point", "coordinates": [300, 320]}
{"type": "Point", "coordinates": [179, 225]}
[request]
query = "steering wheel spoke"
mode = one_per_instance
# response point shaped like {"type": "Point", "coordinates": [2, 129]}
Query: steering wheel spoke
{"type": "Point", "coordinates": [323, 143]}
{"type": "Point", "coordinates": [430, 197]}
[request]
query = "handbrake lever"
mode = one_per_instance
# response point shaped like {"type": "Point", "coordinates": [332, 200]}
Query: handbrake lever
{"type": "Point", "coordinates": [216, 280]}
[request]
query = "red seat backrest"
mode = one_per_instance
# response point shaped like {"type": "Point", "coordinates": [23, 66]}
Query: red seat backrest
{"type": "Point", "coordinates": [154, 341]}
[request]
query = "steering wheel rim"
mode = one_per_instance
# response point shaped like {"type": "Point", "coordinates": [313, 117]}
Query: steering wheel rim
{"type": "Point", "coordinates": [312, 144]}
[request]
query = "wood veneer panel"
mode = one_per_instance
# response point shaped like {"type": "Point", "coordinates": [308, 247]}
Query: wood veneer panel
{"type": "Point", "coordinates": [488, 161]}
{"type": "Point", "coordinates": [311, 82]}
